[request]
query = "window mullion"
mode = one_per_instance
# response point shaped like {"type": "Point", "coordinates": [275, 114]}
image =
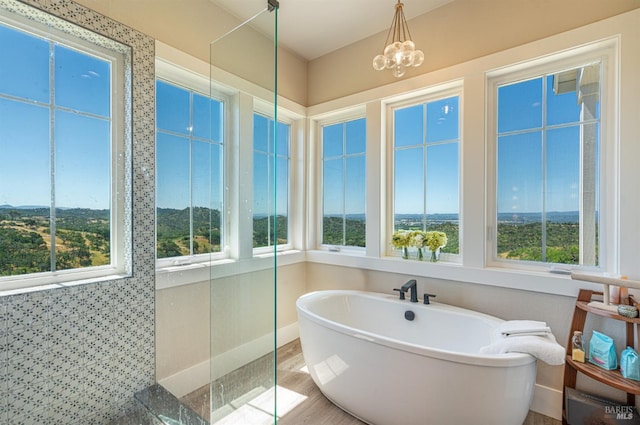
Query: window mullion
{"type": "Point", "coordinates": [191, 235]}
{"type": "Point", "coordinates": [543, 217]}
{"type": "Point", "coordinates": [344, 184]}
{"type": "Point", "coordinates": [52, 150]}
{"type": "Point", "coordinates": [424, 167]}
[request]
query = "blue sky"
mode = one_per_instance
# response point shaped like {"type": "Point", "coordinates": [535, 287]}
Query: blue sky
{"type": "Point", "coordinates": [81, 153]}
{"type": "Point", "coordinates": [427, 134]}
{"type": "Point", "coordinates": [424, 134]}
{"type": "Point", "coordinates": [523, 165]}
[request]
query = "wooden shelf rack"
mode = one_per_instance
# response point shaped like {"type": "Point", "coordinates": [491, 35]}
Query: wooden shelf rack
{"type": "Point", "coordinates": [612, 378]}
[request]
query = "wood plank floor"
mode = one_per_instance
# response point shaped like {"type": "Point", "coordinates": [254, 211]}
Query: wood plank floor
{"type": "Point", "coordinates": [316, 409]}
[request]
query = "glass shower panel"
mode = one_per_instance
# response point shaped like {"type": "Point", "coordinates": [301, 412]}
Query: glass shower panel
{"type": "Point", "coordinates": [243, 295]}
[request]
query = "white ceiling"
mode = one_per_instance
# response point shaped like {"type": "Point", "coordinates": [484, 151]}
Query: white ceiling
{"type": "Point", "coordinates": [313, 28]}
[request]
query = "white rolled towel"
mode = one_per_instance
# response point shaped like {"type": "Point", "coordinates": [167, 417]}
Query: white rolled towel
{"type": "Point", "coordinates": [542, 347]}
{"type": "Point", "coordinates": [523, 327]}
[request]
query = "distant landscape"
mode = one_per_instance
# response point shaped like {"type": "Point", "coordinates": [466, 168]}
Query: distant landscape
{"type": "Point", "coordinates": [519, 235]}
{"type": "Point", "coordinates": [82, 235]}
{"type": "Point", "coordinates": [82, 239]}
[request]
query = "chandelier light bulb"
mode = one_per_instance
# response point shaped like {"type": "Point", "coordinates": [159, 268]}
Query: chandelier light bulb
{"type": "Point", "coordinates": [400, 53]}
{"type": "Point", "coordinates": [398, 71]}
{"type": "Point", "coordinates": [418, 58]}
{"type": "Point", "coordinates": [379, 63]}
{"type": "Point", "coordinates": [409, 45]}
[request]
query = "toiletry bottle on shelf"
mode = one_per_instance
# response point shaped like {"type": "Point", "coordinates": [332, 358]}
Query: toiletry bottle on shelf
{"type": "Point", "coordinates": [577, 349]}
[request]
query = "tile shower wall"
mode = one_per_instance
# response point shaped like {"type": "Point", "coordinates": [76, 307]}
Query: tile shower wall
{"type": "Point", "coordinates": [76, 355]}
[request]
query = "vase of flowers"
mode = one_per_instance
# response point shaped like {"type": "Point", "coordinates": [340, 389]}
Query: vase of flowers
{"type": "Point", "coordinates": [401, 240]}
{"type": "Point", "coordinates": [418, 238]}
{"type": "Point", "coordinates": [435, 240]}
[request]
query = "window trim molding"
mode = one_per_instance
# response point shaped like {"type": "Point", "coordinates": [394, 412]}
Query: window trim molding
{"type": "Point", "coordinates": [120, 56]}
{"type": "Point", "coordinates": [605, 51]}
{"type": "Point", "coordinates": [342, 117]}
{"type": "Point", "coordinates": [266, 110]}
{"type": "Point", "coordinates": [243, 96]}
{"type": "Point", "coordinates": [193, 81]}
{"type": "Point", "coordinates": [438, 92]}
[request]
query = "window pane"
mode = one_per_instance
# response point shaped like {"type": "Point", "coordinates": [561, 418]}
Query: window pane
{"type": "Point", "coordinates": [409, 183]}
{"type": "Point", "coordinates": [189, 182]}
{"type": "Point", "coordinates": [83, 163]}
{"type": "Point", "coordinates": [426, 177]}
{"type": "Point", "coordinates": [355, 201]}
{"type": "Point", "coordinates": [520, 173]}
{"type": "Point", "coordinates": [442, 179]}
{"type": "Point", "coordinates": [442, 193]}
{"type": "Point", "coordinates": [202, 115]}
{"type": "Point", "coordinates": [261, 197]}
{"type": "Point", "coordinates": [25, 182]}
{"type": "Point", "coordinates": [25, 155]}
{"type": "Point", "coordinates": [333, 201]}
{"type": "Point", "coordinates": [173, 217]}
{"type": "Point", "coordinates": [82, 185]}
{"type": "Point", "coordinates": [408, 126]}
{"type": "Point", "coordinates": [562, 103]}
{"type": "Point", "coordinates": [520, 106]}
{"type": "Point", "coordinates": [282, 198]}
{"type": "Point", "coordinates": [206, 202]}
{"type": "Point", "coordinates": [333, 140]}
{"type": "Point", "coordinates": [283, 135]}
{"type": "Point", "coordinates": [82, 82]}
{"type": "Point", "coordinates": [548, 178]}
{"type": "Point", "coordinates": [24, 69]}
{"type": "Point", "coordinates": [58, 144]}
{"type": "Point", "coordinates": [562, 196]}
{"type": "Point", "coordinates": [270, 196]}
{"type": "Point", "coordinates": [356, 133]}
{"type": "Point", "coordinates": [172, 108]}
{"type": "Point", "coordinates": [442, 120]}
{"type": "Point", "coordinates": [344, 184]}
{"type": "Point", "coordinates": [563, 169]}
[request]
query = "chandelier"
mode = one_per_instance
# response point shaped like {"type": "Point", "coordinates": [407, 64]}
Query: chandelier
{"type": "Point", "coordinates": [401, 52]}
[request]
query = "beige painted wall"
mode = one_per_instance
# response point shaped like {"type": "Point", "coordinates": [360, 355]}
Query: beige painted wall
{"type": "Point", "coordinates": [191, 25]}
{"type": "Point", "coordinates": [242, 312]}
{"type": "Point", "coordinates": [454, 33]}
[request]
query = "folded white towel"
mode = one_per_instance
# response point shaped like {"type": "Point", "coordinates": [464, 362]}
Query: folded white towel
{"type": "Point", "coordinates": [523, 327]}
{"type": "Point", "coordinates": [544, 347]}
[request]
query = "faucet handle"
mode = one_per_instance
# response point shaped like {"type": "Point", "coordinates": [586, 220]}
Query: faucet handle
{"type": "Point", "coordinates": [401, 292]}
{"type": "Point", "coordinates": [426, 298]}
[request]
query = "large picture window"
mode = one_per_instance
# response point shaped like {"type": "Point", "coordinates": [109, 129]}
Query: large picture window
{"type": "Point", "coordinates": [189, 158]}
{"type": "Point", "coordinates": [548, 149]}
{"type": "Point", "coordinates": [270, 181]}
{"type": "Point", "coordinates": [61, 149]}
{"type": "Point", "coordinates": [344, 183]}
{"type": "Point", "coordinates": [426, 168]}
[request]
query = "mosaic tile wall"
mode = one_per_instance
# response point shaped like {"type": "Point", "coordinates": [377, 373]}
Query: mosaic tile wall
{"type": "Point", "coordinates": [76, 355]}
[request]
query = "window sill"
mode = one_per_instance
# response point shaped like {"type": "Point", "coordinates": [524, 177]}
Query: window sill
{"type": "Point", "coordinates": [173, 276]}
{"type": "Point", "coordinates": [536, 281]}
{"type": "Point", "coordinates": [57, 285]}
{"type": "Point", "coordinates": [527, 280]}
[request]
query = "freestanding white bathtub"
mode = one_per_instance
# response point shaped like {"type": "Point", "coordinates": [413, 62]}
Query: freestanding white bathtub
{"type": "Point", "coordinates": [387, 370]}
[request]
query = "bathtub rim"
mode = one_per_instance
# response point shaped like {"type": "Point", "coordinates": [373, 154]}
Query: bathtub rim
{"type": "Point", "coordinates": [489, 360]}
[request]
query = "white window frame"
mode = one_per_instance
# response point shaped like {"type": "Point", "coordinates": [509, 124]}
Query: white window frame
{"type": "Point", "coordinates": [342, 117]}
{"type": "Point", "coordinates": [265, 109]}
{"type": "Point", "coordinates": [453, 89]}
{"type": "Point", "coordinates": [190, 80]}
{"type": "Point", "coordinates": [119, 56]}
{"type": "Point", "coordinates": [604, 52]}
